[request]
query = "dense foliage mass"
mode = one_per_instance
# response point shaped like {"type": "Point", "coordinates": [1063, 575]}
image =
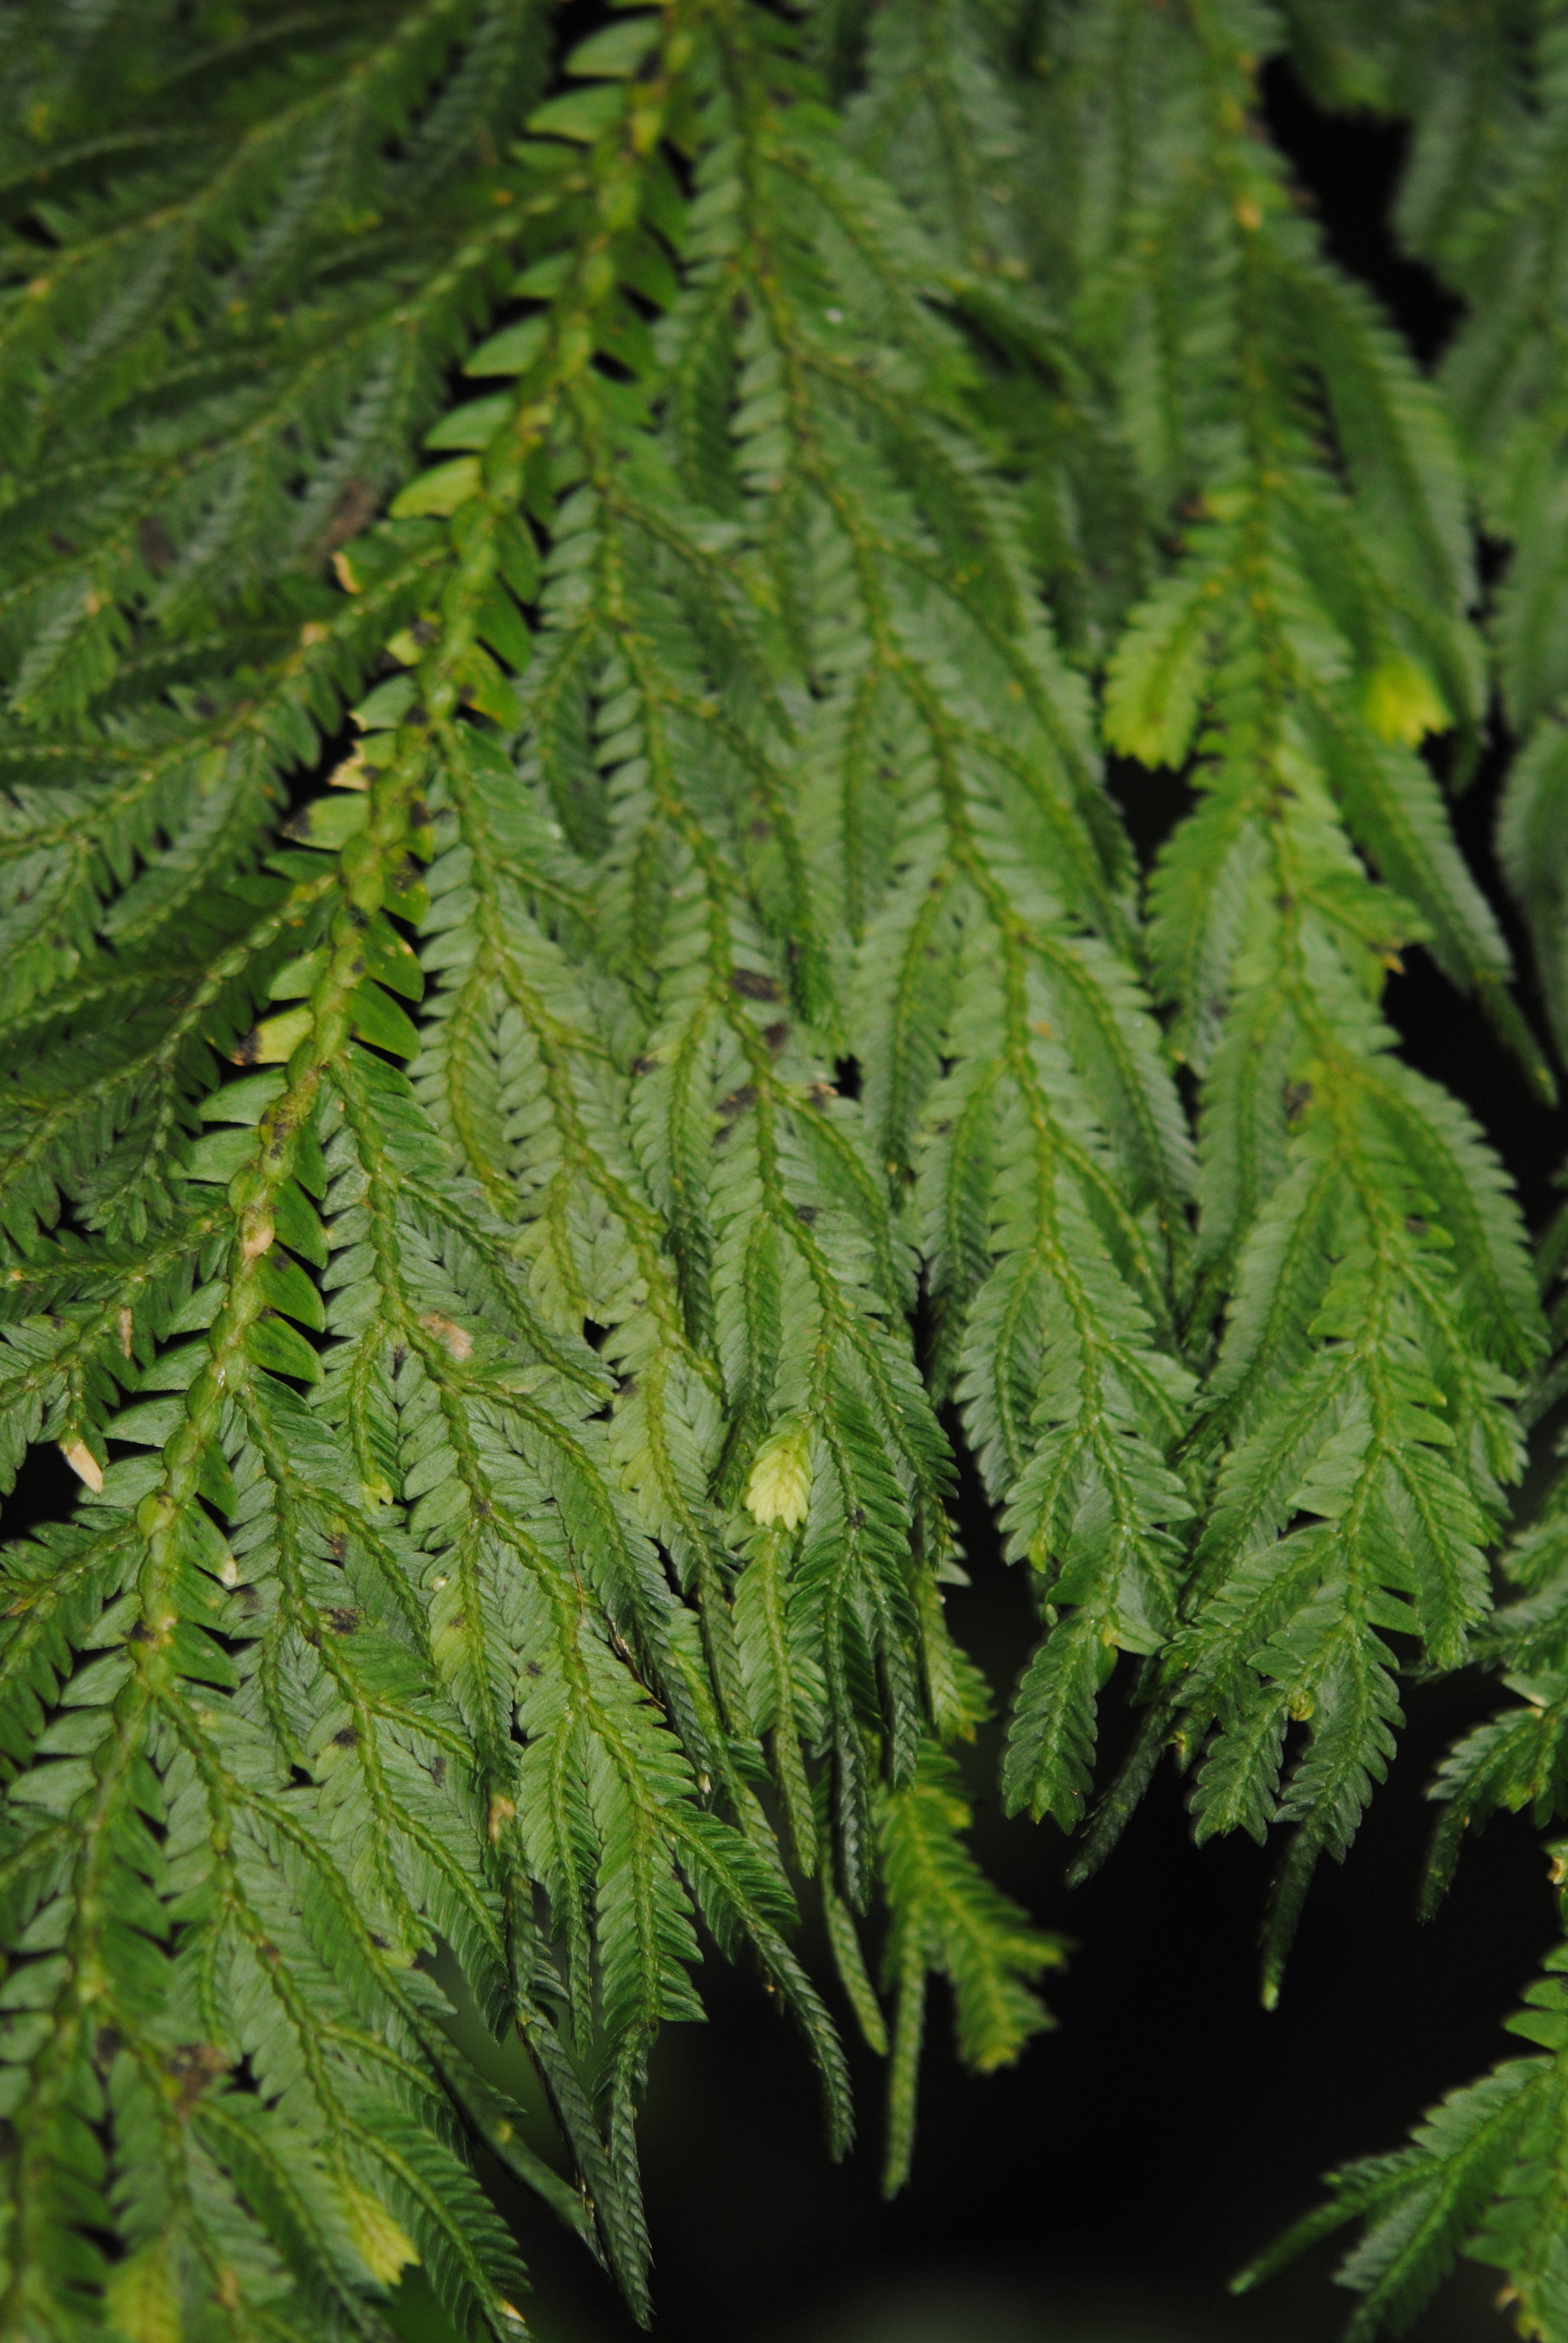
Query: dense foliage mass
{"type": "Point", "coordinates": [577, 1012]}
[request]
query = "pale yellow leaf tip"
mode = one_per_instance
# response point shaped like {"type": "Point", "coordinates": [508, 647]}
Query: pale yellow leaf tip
{"type": "Point", "coordinates": [142, 2298]}
{"type": "Point", "coordinates": [1401, 702]}
{"type": "Point", "coordinates": [781, 1482]}
{"type": "Point", "coordinates": [83, 1463]}
{"type": "Point", "coordinates": [383, 2244]}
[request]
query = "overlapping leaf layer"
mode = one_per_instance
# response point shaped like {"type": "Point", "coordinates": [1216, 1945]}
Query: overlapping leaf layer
{"type": "Point", "coordinates": [579, 1016]}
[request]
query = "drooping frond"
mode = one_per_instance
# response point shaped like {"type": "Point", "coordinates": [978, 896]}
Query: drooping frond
{"type": "Point", "coordinates": [1311, 630]}
{"type": "Point", "coordinates": [486, 1459]}
{"type": "Point", "coordinates": [256, 260]}
{"type": "Point", "coordinates": [1479, 2176]}
{"type": "Point", "coordinates": [949, 117]}
{"type": "Point", "coordinates": [1482, 199]}
{"type": "Point", "coordinates": [952, 1922]}
{"type": "Point", "coordinates": [1484, 202]}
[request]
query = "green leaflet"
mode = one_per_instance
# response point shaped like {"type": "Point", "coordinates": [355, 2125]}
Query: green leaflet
{"type": "Point", "coordinates": [950, 1922]}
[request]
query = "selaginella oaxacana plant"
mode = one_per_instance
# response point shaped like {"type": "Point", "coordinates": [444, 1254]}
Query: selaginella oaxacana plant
{"type": "Point", "coordinates": [562, 612]}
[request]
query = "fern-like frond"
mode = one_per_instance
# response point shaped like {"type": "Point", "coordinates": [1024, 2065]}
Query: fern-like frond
{"type": "Point", "coordinates": [1480, 2176]}
{"type": "Point", "coordinates": [953, 829]}
{"type": "Point", "coordinates": [1470, 2181]}
{"type": "Point", "coordinates": [1379, 1299]}
{"type": "Point", "coordinates": [238, 325]}
{"type": "Point", "coordinates": [491, 1466]}
{"type": "Point", "coordinates": [950, 1922]}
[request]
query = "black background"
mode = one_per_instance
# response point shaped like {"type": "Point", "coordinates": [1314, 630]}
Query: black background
{"type": "Point", "coordinates": [1103, 2190]}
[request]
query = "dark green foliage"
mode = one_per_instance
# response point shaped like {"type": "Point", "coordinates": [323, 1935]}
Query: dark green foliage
{"type": "Point", "coordinates": [517, 1508]}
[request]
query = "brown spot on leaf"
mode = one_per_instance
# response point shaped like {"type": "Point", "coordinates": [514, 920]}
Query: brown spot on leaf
{"type": "Point", "coordinates": [194, 2065]}
{"type": "Point", "coordinates": [354, 509]}
{"type": "Point", "coordinates": [155, 544]}
{"type": "Point", "coordinates": [455, 1340]}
